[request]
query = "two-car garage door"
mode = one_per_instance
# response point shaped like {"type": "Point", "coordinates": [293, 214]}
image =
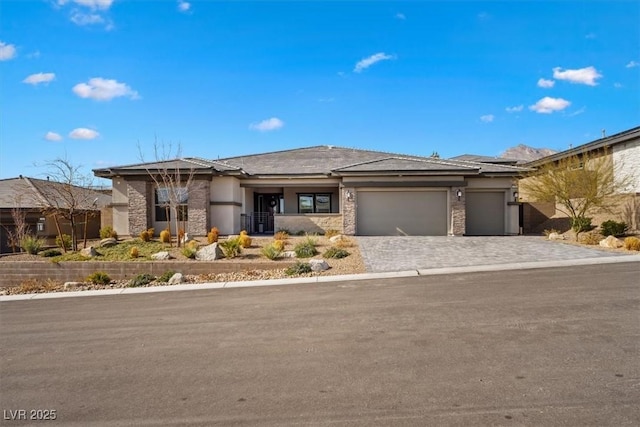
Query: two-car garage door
{"type": "Point", "coordinates": [402, 212]}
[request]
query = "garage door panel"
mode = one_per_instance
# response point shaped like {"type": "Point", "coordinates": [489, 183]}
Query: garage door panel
{"type": "Point", "coordinates": [485, 212]}
{"type": "Point", "coordinates": [389, 213]}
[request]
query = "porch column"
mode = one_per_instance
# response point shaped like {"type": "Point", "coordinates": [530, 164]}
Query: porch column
{"type": "Point", "coordinates": [348, 197]}
{"type": "Point", "coordinates": [198, 207]}
{"type": "Point", "coordinates": [140, 200]}
{"type": "Point", "coordinates": [458, 212]}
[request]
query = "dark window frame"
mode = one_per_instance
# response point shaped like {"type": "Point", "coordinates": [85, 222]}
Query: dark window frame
{"type": "Point", "coordinates": [162, 214]}
{"type": "Point", "coordinates": [314, 202]}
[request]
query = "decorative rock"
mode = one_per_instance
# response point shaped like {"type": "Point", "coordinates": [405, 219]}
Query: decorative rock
{"type": "Point", "coordinates": [71, 285]}
{"type": "Point", "coordinates": [176, 279]}
{"type": "Point", "coordinates": [318, 265]}
{"type": "Point", "coordinates": [336, 238]}
{"type": "Point", "coordinates": [185, 238]}
{"type": "Point", "coordinates": [611, 242]}
{"type": "Point", "coordinates": [555, 236]}
{"type": "Point", "coordinates": [210, 252]}
{"type": "Point", "coordinates": [163, 255]}
{"type": "Point", "coordinates": [108, 242]}
{"type": "Point", "coordinates": [89, 252]}
{"type": "Point", "coordinates": [288, 254]}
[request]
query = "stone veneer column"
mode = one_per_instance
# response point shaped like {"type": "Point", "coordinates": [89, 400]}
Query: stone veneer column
{"type": "Point", "coordinates": [140, 205]}
{"type": "Point", "coordinates": [198, 206]}
{"type": "Point", "coordinates": [458, 212]}
{"type": "Point", "coordinates": [349, 211]}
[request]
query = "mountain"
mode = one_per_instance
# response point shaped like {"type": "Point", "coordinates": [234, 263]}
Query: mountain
{"type": "Point", "coordinates": [524, 152]}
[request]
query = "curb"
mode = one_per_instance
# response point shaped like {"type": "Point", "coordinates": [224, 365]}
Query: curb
{"type": "Point", "coordinates": [326, 279]}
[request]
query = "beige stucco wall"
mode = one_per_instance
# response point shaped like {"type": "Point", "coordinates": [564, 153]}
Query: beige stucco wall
{"type": "Point", "coordinates": [227, 197]}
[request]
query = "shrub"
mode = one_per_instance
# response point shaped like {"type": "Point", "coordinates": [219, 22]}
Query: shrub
{"type": "Point", "coordinates": [330, 233]}
{"type": "Point", "coordinates": [49, 253]}
{"type": "Point", "coordinates": [165, 236]}
{"type": "Point", "coordinates": [613, 228]}
{"type": "Point", "coordinates": [245, 240]}
{"type": "Point", "coordinates": [271, 251]}
{"type": "Point", "coordinates": [298, 268]}
{"type": "Point", "coordinates": [134, 253]}
{"type": "Point", "coordinates": [344, 242]}
{"type": "Point", "coordinates": [212, 236]}
{"type": "Point", "coordinates": [189, 250]}
{"type": "Point", "coordinates": [279, 244]}
{"type": "Point", "coordinates": [141, 280]}
{"type": "Point", "coordinates": [164, 277]}
{"type": "Point", "coordinates": [31, 244]}
{"type": "Point", "coordinates": [581, 224]}
{"type": "Point", "coordinates": [99, 278]}
{"type": "Point", "coordinates": [64, 242]}
{"type": "Point", "coordinates": [334, 252]}
{"type": "Point", "coordinates": [551, 230]}
{"type": "Point", "coordinates": [243, 233]}
{"type": "Point", "coordinates": [146, 235]}
{"type": "Point", "coordinates": [107, 232]}
{"type": "Point", "coordinates": [305, 249]}
{"type": "Point", "coordinates": [231, 247]}
{"type": "Point", "coordinates": [180, 235]}
{"type": "Point", "coordinates": [281, 235]}
{"type": "Point", "coordinates": [632, 243]}
{"type": "Point", "coordinates": [592, 238]}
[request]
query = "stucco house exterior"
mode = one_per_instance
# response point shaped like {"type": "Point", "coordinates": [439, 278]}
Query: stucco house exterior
{"type": "Point", "coordinates": [622, 152]}
{"type": "Point", "coordinates": [313, 189]}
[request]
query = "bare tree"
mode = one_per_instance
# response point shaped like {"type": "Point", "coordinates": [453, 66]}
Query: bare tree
{"type": "Point", "coordinates": [20, 227]}
{"type": "Point", "coordinates": [172, 182]}
{"type": "Point", "coordinates": [577, 184]}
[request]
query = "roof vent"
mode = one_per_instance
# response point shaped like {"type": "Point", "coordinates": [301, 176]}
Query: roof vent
{"type": "Point", "coordinates": [329, 147]}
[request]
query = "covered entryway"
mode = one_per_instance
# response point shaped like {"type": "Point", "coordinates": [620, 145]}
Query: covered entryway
{"type": "Point", "coordinates": [401, 213]}
{"type": "Point", "coordinates": [485, 213]}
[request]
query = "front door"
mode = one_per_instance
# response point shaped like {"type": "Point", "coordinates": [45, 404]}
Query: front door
{"type": "Point", "coordinates": [266, 205]}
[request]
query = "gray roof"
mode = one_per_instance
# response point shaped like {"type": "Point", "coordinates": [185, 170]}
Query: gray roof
{"type": "Point", "coordinates": [33, 193]}
{"type": "Point", "coordinates": [394, 164]}
{"type": "Point", "coordinates": [183, 164]}
{"type": "Point", "coordinates": [486, 159]}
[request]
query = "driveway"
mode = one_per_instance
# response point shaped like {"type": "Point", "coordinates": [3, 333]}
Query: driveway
{"type": "Point", "coordinates": [400, 253]}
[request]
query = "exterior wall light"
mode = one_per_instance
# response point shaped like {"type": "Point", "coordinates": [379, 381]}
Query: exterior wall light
{"type": "Point", "coordinates": [349, 195]}
{"type": "Point", "coordinates": [515, 196]}
{"type": "Point", "coordinates": [459, 194]}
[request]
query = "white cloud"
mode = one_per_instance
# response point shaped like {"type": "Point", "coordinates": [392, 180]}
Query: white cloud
{"type": "Point", "coordinates": [618, 85]}
{"type": "Point", "coordinates": [104, 89]}
{"type": "Point", "coordinates": [52, 136]}
{"type": "Point", "coordinates": [37, 78]}
{"type": "Point", "coordinates": [93, 4]}
{"type": "Point", "coordinates": [7, 51]}
{"type": "Point", "coordinates": [368, 62]}
{"type": "Point", "coordinates": [577, 112]}
{"type": "Point", "coordinates": [633, 64]}
{"type": "Point", "coordinates": [546, 83]}
{"type": "Point", "coordinates": [587, 75]}
{"type": "Point", "coordinates": [401, 16]}
{"type": "Point", "coordinates": [267, 125]}
{"type": "Point", "coordinates": [514, 109]}
{"type": "Point", "coordinates": [83, 133]}
{"type": "Point", "coordinates": [548, 105]}
{"type": "Point", "coordinates": [183, 6]}
{"type": "Point", "coordinates": [80, 18]}
{"type": "Point", "coordinates": [487, 118]}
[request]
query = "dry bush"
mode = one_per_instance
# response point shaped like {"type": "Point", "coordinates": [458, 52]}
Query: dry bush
{"type": "Point", "coordinates": [592, 238]}
{"type": "Point", "coordinates": [35, 286]}
{"type": "Point", "coordinates": [212, 236]}
{"type": "Point", "coordinates": [344, 242]}
{"type": "Point", "coordinates": [279, 244]}
{"type": "Point", "coordinates": [632, 243]}
{"type": "Point", "coordinates": [281, 235]}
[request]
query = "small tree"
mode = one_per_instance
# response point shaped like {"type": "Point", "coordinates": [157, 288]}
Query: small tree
{"type": "Point", "coordinates": [576, 184]}
{"type": "Point", "coordinates": [20, 230]}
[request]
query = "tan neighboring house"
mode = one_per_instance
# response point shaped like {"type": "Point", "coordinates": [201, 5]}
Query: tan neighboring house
{"type": "Point", "coordinates": [622, 151]}
{"type": "Point", "coordinates": [34, 198]}
{"type": "Point", "coordinates": [314, 189]}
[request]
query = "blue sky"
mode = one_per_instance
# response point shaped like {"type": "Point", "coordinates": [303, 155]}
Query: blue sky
{"type": "Point", "coordinates": [91, 80]}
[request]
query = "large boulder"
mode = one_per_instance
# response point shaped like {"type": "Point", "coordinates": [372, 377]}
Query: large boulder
{"type": "Point", "coordinates": [161, 256]}
{"type": "Point", "coordinates": [89, 252]}
{"type": "Point", "coordinates": [318, 265]}
{"type": "Point", "coordinates": [108, 242]}
{"type": "Point", "coordinates": [176, 279]}
{"type": "Point", "coordinates": [611, 242]}
{"type": "Point", "coordinates": [210, 252]}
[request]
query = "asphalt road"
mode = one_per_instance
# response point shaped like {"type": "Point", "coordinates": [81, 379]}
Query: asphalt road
{"type": "Point", "coordinates": [537, 347]}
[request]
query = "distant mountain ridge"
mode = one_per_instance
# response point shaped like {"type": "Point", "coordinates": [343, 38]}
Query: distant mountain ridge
{"type": "Point", "coordinates": [526, 153]}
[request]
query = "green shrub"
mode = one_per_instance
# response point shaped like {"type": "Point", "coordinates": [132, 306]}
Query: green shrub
{"type": "Point", "coordinates": [591, 238]}
{"type": "Point", "coordinates": [64, 242]}
{"type": "Point", "coordinates": [632, 244]}
{"type": "Point", "coordinates": [189, 251]}
{"type": "Point", "coordinates": [50, 253]}
{"type": "Point", "coordinates": [164, 278]}
{"type": "Point", "coordinates": [107, 232]}
{"type": "Point", "coordinates": [31, 244]}
{"type": "Point", "coordinates": [613, 228]}
{"type": "Point", "coordinates": [581, 224]}
{"type": "Point", "coordinates": [334, 252]}
{"type": "Point", "coordinates": [305, 249]}
{"type": "Point", "coordinates": [271, 251]}
{"type": "Point", "coordinates": [298, 268]}
{"type": "Point", "coordinates": [231, 247]}
{"type": "Point", "coordinates": [99, 278]}
{"type": "Point", "coordinates": [141, 280]}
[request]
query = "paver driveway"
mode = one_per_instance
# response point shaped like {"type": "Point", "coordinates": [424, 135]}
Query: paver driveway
{"type": "Point", "coordinates": [400, 253]}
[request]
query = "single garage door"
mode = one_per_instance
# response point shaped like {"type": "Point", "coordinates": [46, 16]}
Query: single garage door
{"type": "Point", "coordinates": [393, 213]}
{"type": "Point", "coordinates": [485, 213]}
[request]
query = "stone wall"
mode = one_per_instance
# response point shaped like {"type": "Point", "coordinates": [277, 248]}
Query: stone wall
{"type": "Point", "coordinates": [140, 202]}
{"type": "Point", "coordinates": [349, 211]}
{"type": "Point", "coordinates": [310, 223]}
{"type": "Point", "coordinates": [198, 205]}
{"type": "Point", "coordinates": [458, 212]}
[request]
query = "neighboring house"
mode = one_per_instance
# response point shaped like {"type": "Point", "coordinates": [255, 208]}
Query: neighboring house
{"type": "Point", "coordinates": [34, 198]}
{"type": "Point", "coordinates": [314, 189]}
{"type": "Point", "coordinates": [623, 152]}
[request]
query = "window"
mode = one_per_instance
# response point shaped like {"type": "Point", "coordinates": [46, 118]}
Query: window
{"type": "Point", "coordinates": [314, 203]}
{"type": "Point", "coordinates": [163, 202]}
